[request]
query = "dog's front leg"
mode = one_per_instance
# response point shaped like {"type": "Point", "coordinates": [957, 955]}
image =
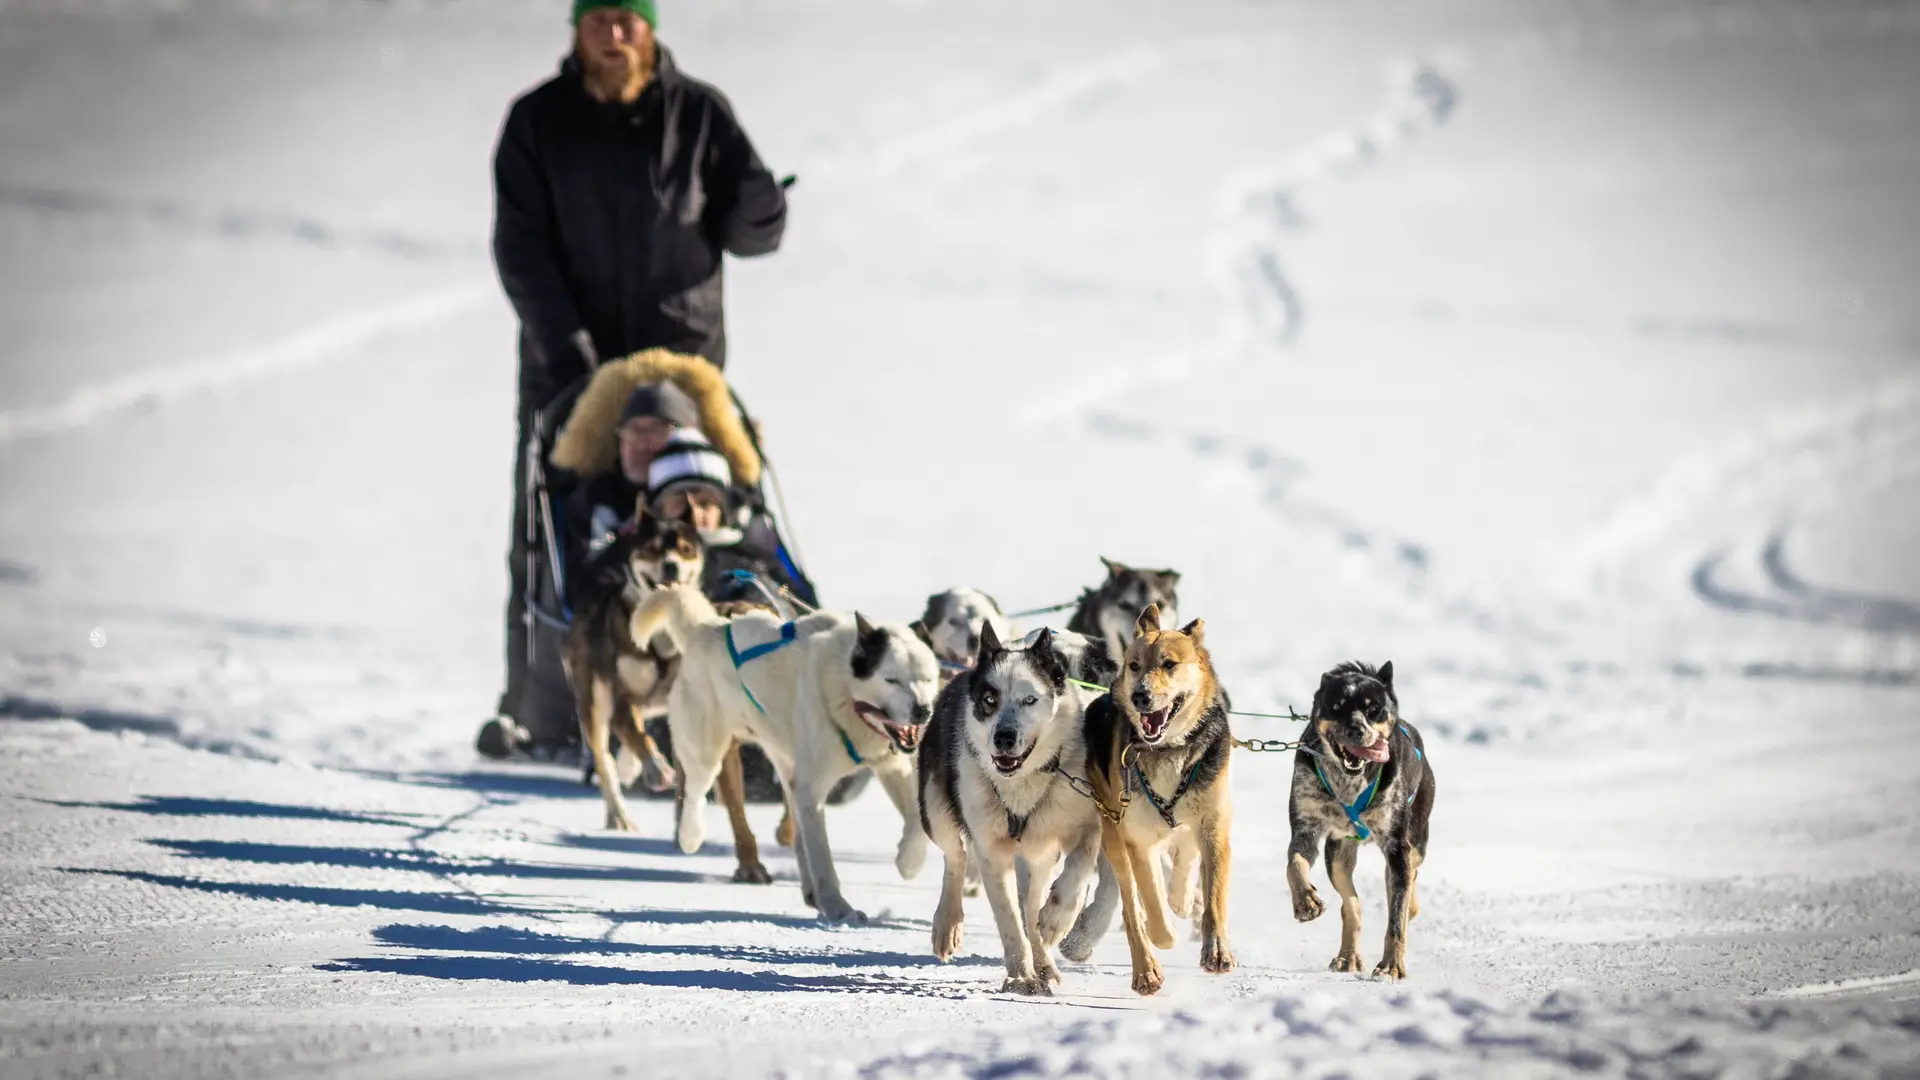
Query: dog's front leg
{"type": "Point", "coordinates": [596, 707]}
{"type": "Point", "coordinates": [900, 785]}
{"type": "Point", "coordinates": [1183, 882]}
{"type": "Point", "coordinates": [1068, 896]}
{"type": "Point", "coordinates": [997, 877]}
{"type": "Point", "coordinates": [1301, 851]}
{"type": "Point", "coordinates": [1146, 967]}
{"type": "Point", "coordinates": [1216, 867]}
{"type": "Point", "coordinates": [1402, 864]}
{"type": "Point", "coordinates": [699, 744]}
{"type": "Point", "coordinates": [1039, 883]}
{"type": "Point", "coordinates": [1341, 856]}
{"type": "Point", "coordinates": [810, 830]}
{"type": "Point", "coordinates": [1153, 900]}
{"type": "Point", "coordinates": [949, 919]}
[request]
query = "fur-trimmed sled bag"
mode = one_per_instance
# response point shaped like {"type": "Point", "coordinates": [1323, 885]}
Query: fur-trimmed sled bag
{"type": "Point", "coordinates": [588, 444]}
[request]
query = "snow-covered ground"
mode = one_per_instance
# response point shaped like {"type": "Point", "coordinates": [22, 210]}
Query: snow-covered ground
{"type": "Point", "coordinates": [1563, 354]}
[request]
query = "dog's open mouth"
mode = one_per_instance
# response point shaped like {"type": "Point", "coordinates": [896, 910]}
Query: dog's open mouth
{"type": "Point", "coordinates": [1008, 764]}
{"type": "Point", "coordinates": [1153, 725]}
{"type": "Point", "coordinates": [905, 737]}
{"type": "Point", "coordinates": [1355, 758]}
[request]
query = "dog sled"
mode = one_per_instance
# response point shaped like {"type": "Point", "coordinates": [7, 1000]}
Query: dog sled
{"type": "Point", "coordinates": [572, 441]}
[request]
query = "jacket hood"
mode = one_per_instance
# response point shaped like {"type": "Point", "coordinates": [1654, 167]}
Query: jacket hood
{"type": "Point", "coordinates": [588, 445]}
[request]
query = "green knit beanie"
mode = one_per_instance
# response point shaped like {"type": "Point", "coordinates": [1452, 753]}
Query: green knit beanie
{"type": "Point", "coordinates": [642, 8]}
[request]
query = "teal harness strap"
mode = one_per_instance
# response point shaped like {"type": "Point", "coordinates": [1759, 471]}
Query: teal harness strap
{"type": "Point", "coordinates": [848, 743]}
{"type": "Point", "coordinates": [739, 658]}
{"type": "Point", "coordinates": [1360, 830]}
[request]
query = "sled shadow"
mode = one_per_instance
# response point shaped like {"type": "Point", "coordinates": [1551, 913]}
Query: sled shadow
{"type": "Point", "coordinates": [422, 861]}
{"type": "Point", "coordinates": [384, 899]}
{"type": "Point", "coordinates": [501, 782]}
{"type": "Point", "coordinates": [624, 843]}
{"type": "Point", "coordinates": [180, 806]}
{"type": "Point", "coordinates": [528, 943]}
{"type": "Point", "coordinates": [525, 970]}
{"type": "Point", "coordinates": [15, 707]}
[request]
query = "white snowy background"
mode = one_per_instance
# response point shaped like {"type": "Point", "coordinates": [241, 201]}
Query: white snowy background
{"type": "Point", "coordinates": [1565, 354]}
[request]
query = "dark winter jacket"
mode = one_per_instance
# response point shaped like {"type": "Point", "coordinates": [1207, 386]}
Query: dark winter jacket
{"type": "Point", "coordinates": [590, 515]}
{"type": "Point", "coordinates": [612, 218]}
{"type": "Point", "coordinates": [758, 552]}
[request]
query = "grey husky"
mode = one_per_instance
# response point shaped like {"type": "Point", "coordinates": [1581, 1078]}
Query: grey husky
{"type": "Point", "coordinates": [1002, 784]}
{"type": "Point", "coordinates": [1108, 611]}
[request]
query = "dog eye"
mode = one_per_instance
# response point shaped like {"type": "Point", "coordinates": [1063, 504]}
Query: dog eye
{"type": "Point", "coordinates": [1166, 665]}
{"type": "Point", "coordinates": [1133, 665]}
{"type": "Point", "coordinates": [1031, 700]}
{"type": "Point", "coordinates": [989, 701]}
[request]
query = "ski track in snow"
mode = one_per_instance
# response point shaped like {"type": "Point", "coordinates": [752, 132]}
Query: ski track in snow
{"type": "Point", "coordinates": [234, 223]}
{"type": "Point", "coordinates": [1780, 459]}
{"type": "Point", "coordinates": [1259, 209]}
{"type": "Point", "coordinates": [331, 340]}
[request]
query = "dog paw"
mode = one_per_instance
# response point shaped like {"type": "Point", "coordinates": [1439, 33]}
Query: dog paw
{"type": "Point", "coordinates": [972, 888]}
{"type": "Point", "coordinates": [752, 874]}
{"type": "Point", "coordinates": [843, 913]}
{"type": "Point", "coordinates": [1346, 961]}
{"type": "Point", "coordinates": [1306, 904]}
{"type": "Point", "coordinates": [1161, 936]}
{"type": "Point", "coordinates": [691, 836]}
{"type": "Point", "coordinates": [1148, 981]}
{"type": "Point", "coordinates": [1056, 918]}
{"type": "Point", "coordinates": [1044, 969]}
{"type": "Point", "coordinates": [911, 857]}
{"type": "Point", "coordinates": [1390, 969]}
{"type": "Point", "coordinates": [1034, 987]}
{"type": "Point", "coordinates": [618, 821]}
{"type": "Point", "coordinates": [658, 777]}
{"type": "Point", "coordinates": [1216, 957]}
{"type": "Point", "coordinates": [783, 833]}
{"type": "Point", "coordinates": [946, 939]}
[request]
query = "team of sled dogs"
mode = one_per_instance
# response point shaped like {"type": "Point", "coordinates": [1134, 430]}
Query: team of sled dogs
{"type": "Point", "coordinates": [1065, 774]}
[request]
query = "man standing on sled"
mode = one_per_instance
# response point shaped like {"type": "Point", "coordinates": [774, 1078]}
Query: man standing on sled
{"type": "Point", "coordinates": [618, 185]}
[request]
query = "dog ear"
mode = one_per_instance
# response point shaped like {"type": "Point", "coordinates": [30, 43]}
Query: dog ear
{"type": "Point", "coordinates": [869, 646]}
{"type": "Point", "coordinates": [1043, 641]}
{"type": "Point", "coordinates": [919, 629]}
{"type": "Point", "coordinates": [1048, 659]}
{"type": "Point", "coordinates": [1097, 664]}
{"type": "Point", "coordinates": [1197, 630]}
{"type": "Point", "coordinates": [990, 646]}
{"type": "Point", "coordinates": [1114, 569]}
{"type": "Point", "coordinates": [1170, 578]}
{"type": "Point", "coordinates": [1386, 676]}
{"type": "Point", "coordinates": [1149, 621]}
{"type": "Point", "coordinates": [932, 614]}
{"type": "Point", "coordinates": [1329, 682]}
{"type": "Point", "coordinates": [997, 609]}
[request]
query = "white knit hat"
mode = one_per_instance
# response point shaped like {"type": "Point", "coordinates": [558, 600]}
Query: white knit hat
{"type": "Point", "coordinates": [687, 458]}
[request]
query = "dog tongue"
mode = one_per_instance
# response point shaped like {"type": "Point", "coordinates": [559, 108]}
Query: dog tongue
{"type": "Point", "coordinates": [1377, 752]}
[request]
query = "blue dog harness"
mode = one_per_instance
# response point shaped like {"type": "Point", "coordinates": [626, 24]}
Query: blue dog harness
{"type": "Point", "coordinates": [1360, 805]}
{"type": "Point", "coordinates": [754, 653]}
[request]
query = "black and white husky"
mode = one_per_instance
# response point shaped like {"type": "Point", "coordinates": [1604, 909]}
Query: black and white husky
{"type": "Point", "coordinates": [998, 773]}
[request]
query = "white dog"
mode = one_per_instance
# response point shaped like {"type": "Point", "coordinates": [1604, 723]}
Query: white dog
{"type": "Point", "coordinates": [822, 695]}
{"type": "Point", "coordinates": [952, 624]}
{"type": "Point", "coordinates": [997, 789]}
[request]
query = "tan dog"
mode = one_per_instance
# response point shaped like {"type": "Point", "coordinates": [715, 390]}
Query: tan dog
{"type": "Point", "coordinates": [1158, 748]}
{"type": "Point", "coordinates": [620, 680]}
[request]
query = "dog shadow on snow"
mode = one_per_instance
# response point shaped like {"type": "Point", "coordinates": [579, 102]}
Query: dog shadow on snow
{"type": "Point", "coordinates": [508, 954]}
